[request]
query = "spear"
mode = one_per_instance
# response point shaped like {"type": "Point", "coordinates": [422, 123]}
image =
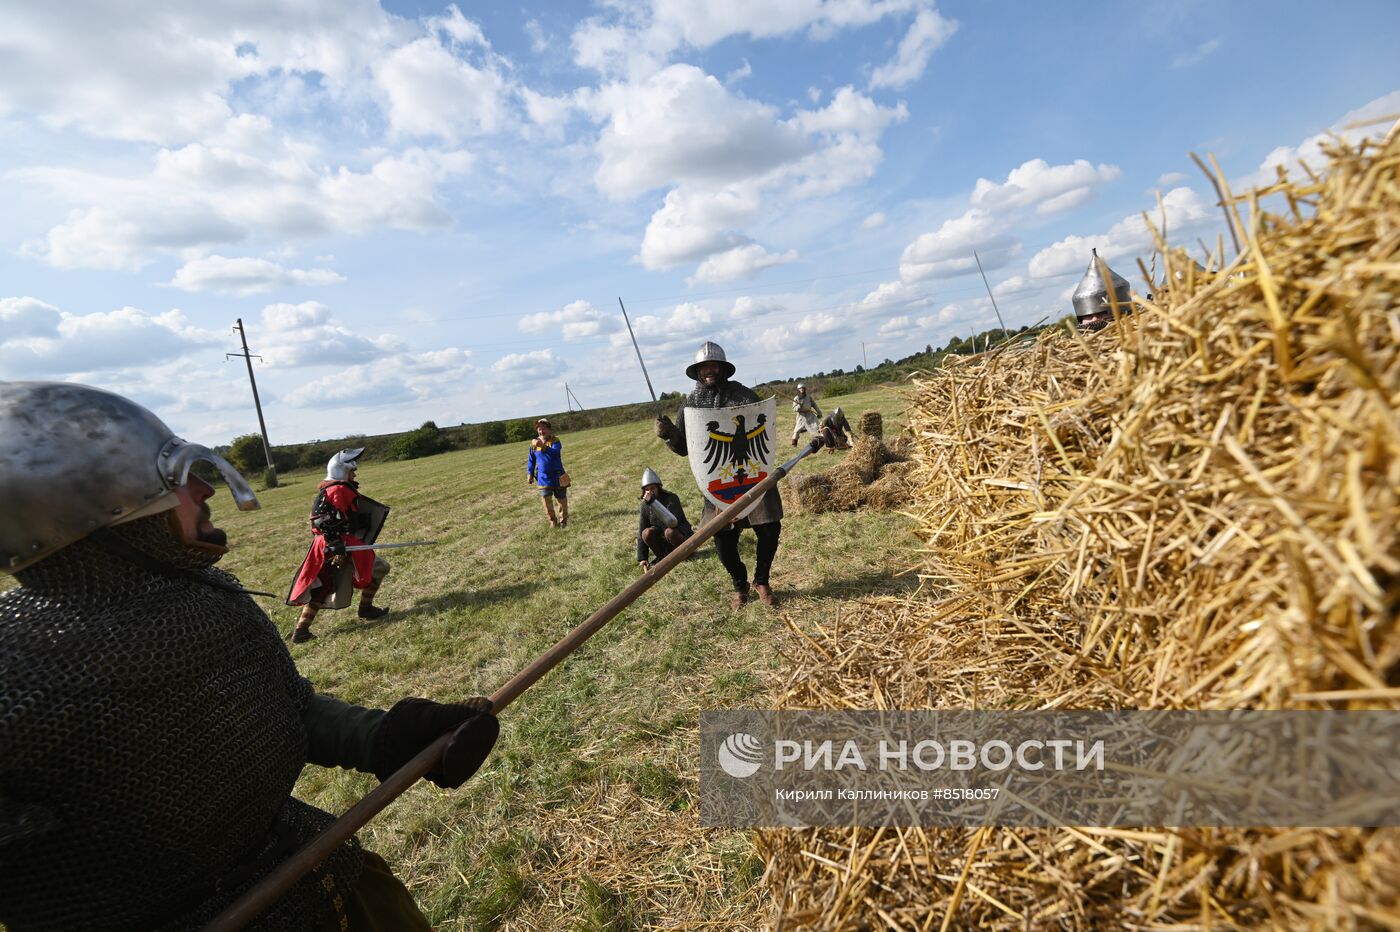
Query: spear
{"type": "Point", "coordinates": [266, 892]}
{"type": "Point", "coordinates": [639, 355]}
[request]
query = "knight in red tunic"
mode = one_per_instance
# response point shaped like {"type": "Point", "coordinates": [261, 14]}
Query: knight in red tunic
{"type": "Point", "coordinates": [341, 517]}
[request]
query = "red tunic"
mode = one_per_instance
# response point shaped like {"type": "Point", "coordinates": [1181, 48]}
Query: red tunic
{"type": "Point", "coordinates": [343, 497]}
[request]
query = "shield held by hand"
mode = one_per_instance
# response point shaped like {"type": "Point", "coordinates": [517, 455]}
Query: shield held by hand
{"type": "Point", "coordinates": [731, 449]}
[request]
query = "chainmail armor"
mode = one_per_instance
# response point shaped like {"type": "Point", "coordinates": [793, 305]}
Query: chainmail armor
{"type": "Point", "coordinates": [150, 737]}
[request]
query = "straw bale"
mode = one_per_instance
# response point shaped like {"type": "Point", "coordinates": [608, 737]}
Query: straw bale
{"type": "Point", "coordinates": [872, 425]}
{"type": "Point", "coordinates": [1195, 508]}
{"type": "Point", "coordinates": [890, 491]}
{"type": "Point", "coordinates": [863, 461]}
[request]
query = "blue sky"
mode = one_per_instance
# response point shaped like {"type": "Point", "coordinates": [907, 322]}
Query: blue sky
{"type": "Point", "coordinates": [426, 211]}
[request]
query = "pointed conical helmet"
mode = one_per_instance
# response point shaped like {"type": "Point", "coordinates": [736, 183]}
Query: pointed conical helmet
{"type": "Point", "coordinates": [709, 352]}
{"type": "Point", "coordinates": [649, 477]}
{"type": "Point", "coordinates": [1092, 295]}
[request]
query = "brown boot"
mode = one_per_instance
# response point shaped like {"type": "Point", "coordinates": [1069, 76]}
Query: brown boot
{"type": "Point", "coordinates": [765, 594]}
{"type": "Point", "coordinates": [738, 599]}
{"type": "Point", "coordinates": [369, 611]}
{"type": "Point", "coordinates": [302, 633]}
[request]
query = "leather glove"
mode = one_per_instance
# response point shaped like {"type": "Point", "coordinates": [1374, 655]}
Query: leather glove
{"type": "Point", "coordinates": [335, 546]}
{"type": "Point", "coordinates": [665, 428]}
{"type": "Point", "coordinates": [413, 724]}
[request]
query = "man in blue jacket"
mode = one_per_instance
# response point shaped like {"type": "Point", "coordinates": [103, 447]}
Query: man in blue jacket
{"type": "Point", "coordinates": [545, 468]}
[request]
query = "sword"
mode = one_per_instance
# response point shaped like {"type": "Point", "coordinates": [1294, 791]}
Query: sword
{"type": "Point", "coordinates": [411, 543]}
{"type": "Point", "coordinates": [639, 355]}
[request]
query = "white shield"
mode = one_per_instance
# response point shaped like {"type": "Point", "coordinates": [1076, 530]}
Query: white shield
{"type": "Point", "coordinates": [731, 449]}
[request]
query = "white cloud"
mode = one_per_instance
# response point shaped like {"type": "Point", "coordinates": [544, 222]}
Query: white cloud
{"type": "Point", "coordinates": [215, 194]}
{"type": "Point", "coordinates": [538, 40]}
{"type": "Point", "coordinates": [681, 125]}
{"type": "Point", "coordinates": [947, 251]}
{"type": "Point", "coordinates": [1186, 213]}
{"type": "Point", "coordinates": [163, 71]}
{"type": "Point", "coordinates": [429, 90]}
{"type": "Point", "coordinates": [24, 318]}
{"type": "Point", "coordinates": [524, 368]}
{"type": "Point", "coordinates": [576, 321]}
{"type": "Point", "coordinates": [927, 33]}
{"type": "Point", "coordinates": [850, 111]}
{"type": "Point", "coordinates": [896, 325]}
{"type": "Point", "coordinates": [305, 334]}
{"type": "Point", "coordinates": [1168, 179]}
{"type": "Point", "coordinates": [1049, 188]}
{"type": "Point", "coordinates": [1198, 54]}
{"type": "Point", "coordinates": [739, 262]}
{"type": "Point", "coordinates": [545, 111]}
{"type": "Point", "coordinates": [403, 378]}
{"type": "Point", "coordinates": [726, 159]}
{"type": "Point", "coordinates": [1310, 151]}
{"type": "Point", "coordinates": [46, 342]}
{"type": "Point", "coordinates": [638, 37]}
{"type": "Point", "coordinates": [820, 323]}
{"type": "Point", "coordinates": [246, 275]}
{"type": "Point", "coordinates": [873, 221]}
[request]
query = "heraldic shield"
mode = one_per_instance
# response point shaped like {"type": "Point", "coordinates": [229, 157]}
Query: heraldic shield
{"type": "Point", "coordinates": [731, 449]}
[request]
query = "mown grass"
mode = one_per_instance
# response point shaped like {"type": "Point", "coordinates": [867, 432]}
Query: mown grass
{"type": "Point", "coordinates": [585, 815]}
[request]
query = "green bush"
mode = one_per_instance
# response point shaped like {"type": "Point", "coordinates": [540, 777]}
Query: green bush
{"type": "Point", "coordinates": [246, 455]}
{"type": "Point", "coordinates": [844, 385]}
{"type": "Point", "coordinates": [425, 441]}
{"type": "Point", "coordinates": [519, 430]}
{"type": "Point", "coordinates": [492, 433]}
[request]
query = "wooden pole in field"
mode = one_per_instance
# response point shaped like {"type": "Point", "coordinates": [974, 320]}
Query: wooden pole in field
{"type": "Point", "coordinates": [266, 892]}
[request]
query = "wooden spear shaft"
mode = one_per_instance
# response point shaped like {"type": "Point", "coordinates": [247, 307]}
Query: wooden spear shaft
{"type": "Point", "coordinates": [267, 891]}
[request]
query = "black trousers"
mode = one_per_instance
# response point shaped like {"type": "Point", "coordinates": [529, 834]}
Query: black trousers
{"type": "Point", "coordinates": [727, 545]}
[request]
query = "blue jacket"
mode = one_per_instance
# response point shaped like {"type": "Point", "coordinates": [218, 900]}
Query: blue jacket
{"type": "Point", "coordinates": [544, 466]}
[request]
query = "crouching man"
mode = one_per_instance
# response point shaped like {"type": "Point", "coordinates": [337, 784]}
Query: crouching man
{"type": "Point", "coordinates": [662, 526]}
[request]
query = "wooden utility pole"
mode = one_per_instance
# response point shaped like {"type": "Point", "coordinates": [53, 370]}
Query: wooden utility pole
{"type": "Point", "coordinates": [262, 425]}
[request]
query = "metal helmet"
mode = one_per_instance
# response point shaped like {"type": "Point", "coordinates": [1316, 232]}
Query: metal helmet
{"type": "Point", "coordinates": [75, 458]}
{"type": "Point", "coordinates": [1092, 295]}
{"type": "Point", "coordinates": [838, 414]}
{"type": "Point", "coordinates": [339, 466]}
{"type": "Point", "coordinates": [649, 477]}
{"type": "Point", "coordinates": [801, 387]}
{"type": "Point", "coordinates": [709, 352]}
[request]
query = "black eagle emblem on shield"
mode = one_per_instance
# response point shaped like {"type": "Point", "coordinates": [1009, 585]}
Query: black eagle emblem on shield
{"type": "Point", "coordinates": [741, 450]}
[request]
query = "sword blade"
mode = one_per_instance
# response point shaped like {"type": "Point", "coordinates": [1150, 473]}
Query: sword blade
{"type": "Point", "coordinates": [411, 543]}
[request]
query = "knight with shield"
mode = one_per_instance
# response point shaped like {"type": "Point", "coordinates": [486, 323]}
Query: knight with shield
{"type": "Point", "coordinates": [728, 436]}
{"type": "Point", "coordinates": [340, 516]}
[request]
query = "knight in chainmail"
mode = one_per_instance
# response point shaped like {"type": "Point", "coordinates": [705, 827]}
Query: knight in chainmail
{"type": "Point", "coordinates": [808, 413]}
{"type": "Point", "coordinates": [328, 576]}
{"type": "Point", "coordinates": [714, 388]}
{"type": "Point", "coordinates": [152, 722]}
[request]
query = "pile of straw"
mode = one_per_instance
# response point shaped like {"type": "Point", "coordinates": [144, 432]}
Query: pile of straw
{"type": "Point", "coordinates": [873, 475]}
{"type": "Point", "coordinates": [1196, 508]}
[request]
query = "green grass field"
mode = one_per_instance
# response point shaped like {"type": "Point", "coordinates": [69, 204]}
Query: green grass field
{"type": "Point", "coordinates": [585, 815]}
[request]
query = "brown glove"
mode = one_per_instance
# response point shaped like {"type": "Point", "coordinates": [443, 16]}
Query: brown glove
{"type": "Point", "coordinates": [665, 428]}
{"type": "Point", "coordinates": [413, 724]}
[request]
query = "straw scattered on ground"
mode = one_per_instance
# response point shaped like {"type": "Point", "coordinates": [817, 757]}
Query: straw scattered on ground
{"type": "Point", "coordinates": [1196, 508]}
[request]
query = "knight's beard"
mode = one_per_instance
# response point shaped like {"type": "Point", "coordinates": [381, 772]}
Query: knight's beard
{"type": "Point", "coordinates": [214, 535]}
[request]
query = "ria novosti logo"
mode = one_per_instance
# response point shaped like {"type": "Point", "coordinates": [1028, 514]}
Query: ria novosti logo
{"type": "Point", "coordinates": [740, 755]}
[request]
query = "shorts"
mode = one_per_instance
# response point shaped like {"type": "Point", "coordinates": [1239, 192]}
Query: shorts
{"type": "Point", "coordinates": [548, 490]}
